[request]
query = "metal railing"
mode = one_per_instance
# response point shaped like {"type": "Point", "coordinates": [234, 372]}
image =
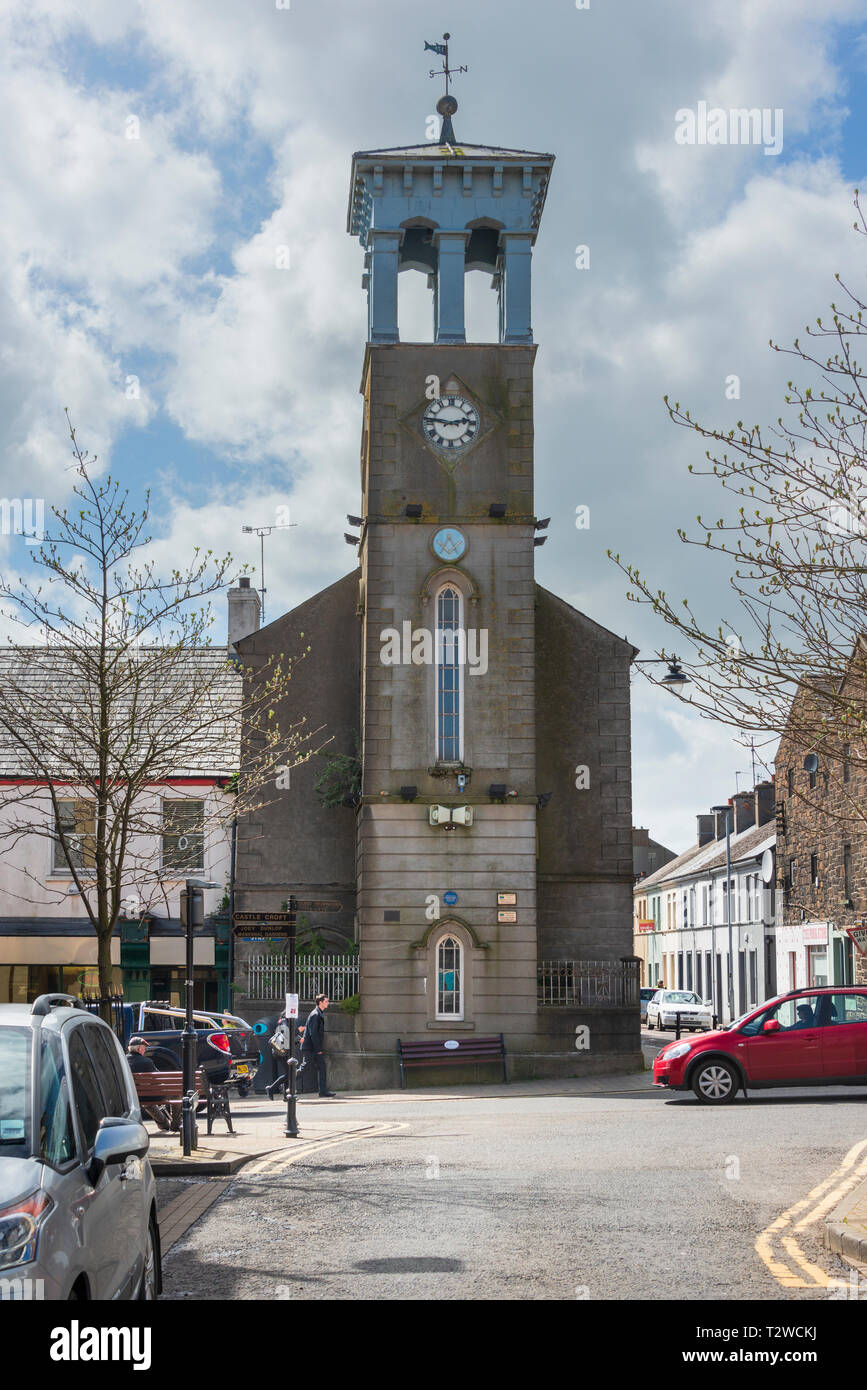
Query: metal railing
{"type": "Point", "coordinates": [589, 984]}
{"type": "Point", "coordinates": [336, 976]}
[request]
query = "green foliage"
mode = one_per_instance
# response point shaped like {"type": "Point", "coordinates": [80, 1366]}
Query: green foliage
{"type": "Point", "coordinates": [340, 781]}
{"type": "Point", "coordinates": [351, 1004]}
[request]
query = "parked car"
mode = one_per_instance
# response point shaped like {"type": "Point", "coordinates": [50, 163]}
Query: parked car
{"type": "Point", "coordinates": [807, 1037]}
{"type": "Point", "coordinates": [78, 1212]}
{"type": "Point", "coordinates": [666, 1004]}
{"type": "Point", "coordinates": [647, 993]}
{"type": "Point", "coordinates": [226, 1047]}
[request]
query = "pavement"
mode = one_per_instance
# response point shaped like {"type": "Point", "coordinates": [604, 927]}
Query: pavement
{"type": "Point", "coordinates": [846, 1225]}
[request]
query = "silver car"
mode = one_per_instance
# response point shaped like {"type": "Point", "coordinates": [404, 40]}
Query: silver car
{"type": "Point", "coordinates": [78, 1216]}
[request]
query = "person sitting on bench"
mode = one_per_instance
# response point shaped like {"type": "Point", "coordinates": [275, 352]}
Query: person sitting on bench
{"type": "Point", "coordinates": [139, 1061]}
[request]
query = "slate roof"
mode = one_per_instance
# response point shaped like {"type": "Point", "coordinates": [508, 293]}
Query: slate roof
{"type": "Point", "coordinates": [749, 844]}
{"type": "Point", "coordinates": [35, 680]}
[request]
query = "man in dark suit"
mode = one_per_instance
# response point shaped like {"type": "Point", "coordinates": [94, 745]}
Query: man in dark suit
{"type": "Point", "coordinates": [313, 1047]}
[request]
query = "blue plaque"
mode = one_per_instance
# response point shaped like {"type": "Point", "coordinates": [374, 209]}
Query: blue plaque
{"type": "Point", "coordinates": [450, 899]}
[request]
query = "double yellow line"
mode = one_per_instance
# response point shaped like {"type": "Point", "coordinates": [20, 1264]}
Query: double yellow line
{"type": "Point", "coordinates": [800, 1273]}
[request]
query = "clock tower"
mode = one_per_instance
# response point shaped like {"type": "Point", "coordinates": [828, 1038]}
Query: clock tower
{"type": "Point", "coordinates": [446, 833]}
{"type": "Point", "coordinates": [484, 864]}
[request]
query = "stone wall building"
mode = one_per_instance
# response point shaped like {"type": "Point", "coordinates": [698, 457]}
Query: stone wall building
{"type": "Point", "coordinates": [822, 842]}
{"type": "Point", "coordinates": [487, 829]}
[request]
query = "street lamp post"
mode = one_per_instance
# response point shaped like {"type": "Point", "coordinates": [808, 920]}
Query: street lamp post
{"type": "Point", "coordinates": [193, 915]}
{"type": "Point", "coordinates": [731, 985]}
{"type": "Point", "coordinates": [291, 1130]}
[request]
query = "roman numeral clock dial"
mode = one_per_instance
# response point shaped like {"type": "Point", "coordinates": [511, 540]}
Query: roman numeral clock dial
{"type": "Point", "coordinates": [450, 424]}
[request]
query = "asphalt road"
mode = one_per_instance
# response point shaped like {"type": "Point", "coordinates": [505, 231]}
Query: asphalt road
{"type": "Point", "coordinates": [638, 1196]}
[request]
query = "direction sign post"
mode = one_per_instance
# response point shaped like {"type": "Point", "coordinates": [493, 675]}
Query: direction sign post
{"type": "Point", "coordinates": [262, 923]}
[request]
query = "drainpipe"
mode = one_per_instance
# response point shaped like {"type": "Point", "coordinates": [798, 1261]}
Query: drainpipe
{"type": "Point", "coordinates": [231, 970]}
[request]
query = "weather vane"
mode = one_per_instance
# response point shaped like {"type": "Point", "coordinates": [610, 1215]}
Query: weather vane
{"type": "Point", "coordinates": [446, 106]}
{"type": "Point", "coordinates": [443, 50]}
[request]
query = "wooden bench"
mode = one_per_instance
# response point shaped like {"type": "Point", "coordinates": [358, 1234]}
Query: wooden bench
{"type": "Point", "coordinates": [436, 1052]}
{"type": "Point", "coordinates": [166, 1088]}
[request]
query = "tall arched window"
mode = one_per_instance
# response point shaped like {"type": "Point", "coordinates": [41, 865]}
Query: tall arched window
{"type": "Point", "coordinates": [449, 645]}
{"type": "Point", "coordinates": [450, 998]}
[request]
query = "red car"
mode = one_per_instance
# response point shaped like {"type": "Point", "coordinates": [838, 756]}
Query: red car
{"type": "Point", "coordinates": [808, 1037]}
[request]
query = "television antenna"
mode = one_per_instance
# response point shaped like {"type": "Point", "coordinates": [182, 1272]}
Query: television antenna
{"type": "Point", "coordinates": [262, 532]}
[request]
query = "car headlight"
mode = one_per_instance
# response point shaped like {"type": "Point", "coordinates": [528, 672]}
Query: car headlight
{"type": "Point", "coordinates": [679, 1050]}
{"type": "Point", "coordinates": [20, 1224]}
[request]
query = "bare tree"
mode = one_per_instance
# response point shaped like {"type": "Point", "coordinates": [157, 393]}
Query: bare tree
{"type": "Point", "coordinates": [795, 536]}
{"type": "Point", "coordinates": [121, 693]}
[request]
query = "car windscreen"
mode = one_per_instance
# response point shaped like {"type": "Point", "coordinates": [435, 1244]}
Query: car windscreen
{"type": "Point", "coordinates": [16, 1045]}
{"type": "Point", "coordinates": [680, 997]}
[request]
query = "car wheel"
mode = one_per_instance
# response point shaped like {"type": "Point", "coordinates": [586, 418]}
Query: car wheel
{"type": "Point", "coordinates": [649, 1024]}
{"type": "Point", "coordinates": [715, 1082]}
{"type": "Point", "coordinates": [150, 1279]}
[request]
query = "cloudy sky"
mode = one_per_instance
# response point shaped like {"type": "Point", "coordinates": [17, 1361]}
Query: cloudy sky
{"type": "Point", "coordinates": [157, 151]}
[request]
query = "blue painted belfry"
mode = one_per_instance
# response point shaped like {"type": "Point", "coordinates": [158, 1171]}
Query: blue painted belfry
{"type": "Point", "coordinates": [443, 209]}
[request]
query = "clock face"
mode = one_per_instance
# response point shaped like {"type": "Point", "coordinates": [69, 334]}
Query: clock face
{"type": "Point", "coordinates": [450, 423]}
{"type": "Point", "coordinates": [449, 544]}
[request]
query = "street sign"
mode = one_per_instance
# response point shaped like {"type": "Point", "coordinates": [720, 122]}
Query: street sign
{"type": "Point", "coordinates": [859, 936]}
{"type": "Point", "coordinates": [316, 905]}
{"type": "Point", "coordinates": [261, 918]}
{"type": "Point", "coordinates": [252, 931]}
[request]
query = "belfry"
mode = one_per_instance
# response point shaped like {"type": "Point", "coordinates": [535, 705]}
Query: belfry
{"type": "Point", "coordinates": [483, 849]}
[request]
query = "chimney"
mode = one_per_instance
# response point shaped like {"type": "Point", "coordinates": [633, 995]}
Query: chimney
{"type": "Point", "coordinates": [706, 829]}
{"type": "Point", "coordinates": [640, 836]}
{"type": "Point", "coordinates": [764, 803]}
{"type": "Point", "coordinates": [243, 611]}
{"type": "Point", "coordinates": [719, 823]}
{"type": "Point", "coordinates": [744, 804]}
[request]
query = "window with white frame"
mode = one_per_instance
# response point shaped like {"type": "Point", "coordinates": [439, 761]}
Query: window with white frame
{"type": "Point", "coordinates": [449, 966]}
{"type": "Point", "coordinates": [76, 820]}
{"type": "Point", "coordinates": [183, 834]}
{"type": "Point", "coordinates": [448, 674]}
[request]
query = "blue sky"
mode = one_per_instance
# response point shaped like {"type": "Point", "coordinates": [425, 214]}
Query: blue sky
{"type": "Point", "coordinates": [154, 258]}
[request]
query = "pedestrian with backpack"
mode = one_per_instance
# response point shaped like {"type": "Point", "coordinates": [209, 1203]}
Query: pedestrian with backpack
{"type": "Point", "coordinates": [283, 1059]}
